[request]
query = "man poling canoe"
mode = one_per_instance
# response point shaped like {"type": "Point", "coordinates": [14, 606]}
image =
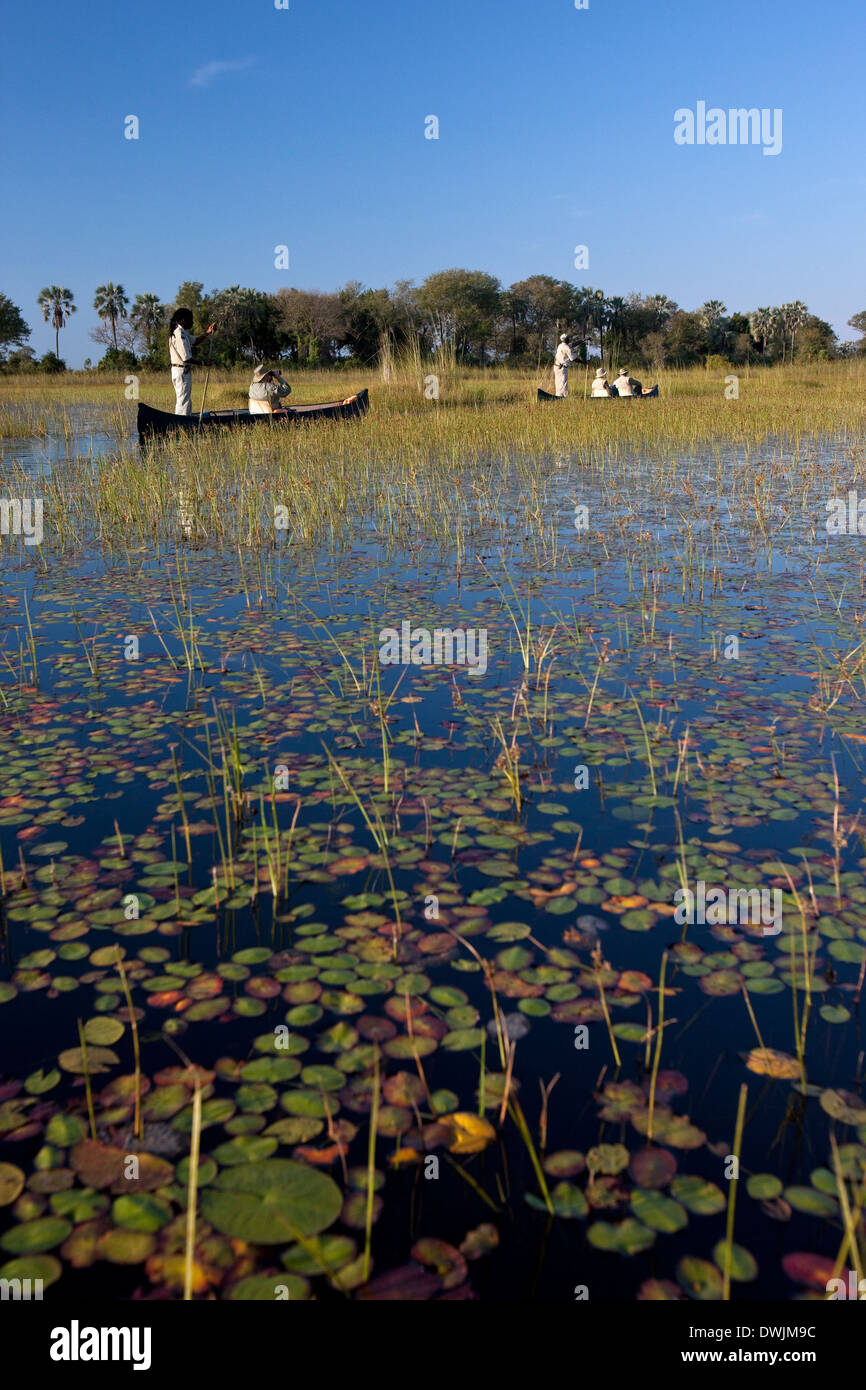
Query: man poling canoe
{"type": "Point", "coordinates": [181, 351]}
{"type": "Point", "coordinates": [561, 362]}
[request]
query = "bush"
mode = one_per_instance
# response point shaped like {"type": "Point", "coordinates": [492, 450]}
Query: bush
{"type": "Point", "coordinates": [50, 362]}
{"type": "Point", "coordinates": [116, 360]}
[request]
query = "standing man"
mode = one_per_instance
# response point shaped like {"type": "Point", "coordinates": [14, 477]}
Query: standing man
{"type": "Point", "coordinates": [181, 347]}
{"type": "Point", "coordinates": [561, 362]}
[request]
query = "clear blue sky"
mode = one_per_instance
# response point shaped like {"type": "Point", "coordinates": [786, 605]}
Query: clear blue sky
{"type": "Point", "coordinates": [556, 128]}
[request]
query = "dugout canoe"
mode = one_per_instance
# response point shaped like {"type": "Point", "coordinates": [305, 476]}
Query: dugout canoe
{"type": "Point", "coordinates": [153, 424]}
{"type": "Point", "coordinates": [653, 391]}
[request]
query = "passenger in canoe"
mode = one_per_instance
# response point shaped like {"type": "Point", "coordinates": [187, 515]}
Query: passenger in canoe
{"type": "Point", "coordinates": [561, 362]}
{"type": "Point", "coordinates": [267, 388]}
{"type": "Point", "coordinates": [601, 385]}
{"type": "Point", "coordinates": [181, 351]}
{"type": "Point", "coordinates": [627, 385]}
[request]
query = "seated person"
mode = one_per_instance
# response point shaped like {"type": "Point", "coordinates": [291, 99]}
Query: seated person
{"type": "Point", "coordinates": [627, 385]}
{"type": "Point", "coordinates": [267, 387]}
{"type": "Point", "coordinates": [601, 385]}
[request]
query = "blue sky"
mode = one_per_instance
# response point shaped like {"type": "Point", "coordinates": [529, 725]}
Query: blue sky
{"type": "Point", "coordinates": [305, 127]}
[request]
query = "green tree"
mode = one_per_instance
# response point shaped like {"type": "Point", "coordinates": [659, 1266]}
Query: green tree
{"type": "Point", "coordinates": [461, 307]}
{"type": "Point", "coordinates": [13, 329]}
{"type": "Point", "coordinates": [538, 309]}
{"type": "Point", "coordinates": [56, 305]}
{"type": "Point", "coordinates": [111, 303]}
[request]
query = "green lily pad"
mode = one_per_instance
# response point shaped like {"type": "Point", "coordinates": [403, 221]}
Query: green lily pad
{"type": "Point", "coordinates": [32, 1237]}
{"type": "Point", "coordinates": [141, 1211]}
{"type": "Point", "coordinates": [267, 1201]}
{"type": "Point", "coordinates": [744, 1266]}
{"type": "Point", "coordinates": [627, 1237]}
{"type": "Point", "coordinates": [699, 1279]}
{"type": "Point", "coordinates": [658, 1212]}
{"type": "Point", "coordinates": [698, 1195]}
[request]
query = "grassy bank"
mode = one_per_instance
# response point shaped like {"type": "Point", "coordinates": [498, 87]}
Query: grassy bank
{"type": "Point", "coordinates": [484, 410]}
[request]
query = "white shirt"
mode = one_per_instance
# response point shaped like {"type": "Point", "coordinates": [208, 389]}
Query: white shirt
{"type": "Point", "coordinates": [623, 386]}
{"type": "Point", "coordinates": [564, 355]}
{"type": "Point", "coordinates": [180, 346]}
{"type": "Point", "coordinates": [599, 387]}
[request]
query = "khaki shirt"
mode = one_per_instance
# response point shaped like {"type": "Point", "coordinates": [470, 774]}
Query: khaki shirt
{"type": "Point", "coordinates": [180, 346]}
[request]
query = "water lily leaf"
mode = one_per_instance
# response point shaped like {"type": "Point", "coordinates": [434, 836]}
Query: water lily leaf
{"type": "Point", "coordinates": [470, 1133]}
{"type": "Point", "coordinates": [141, 1211]}
{"type": "Point", "coordinates": [481, 1241]}
{"type": "Point", "coordinates": [568, 1201]}
{"type": "Point", "coordinates": [699, 1195]}
{"type": "Point", "coordinates": [38, 1082]}
{"type": "Point", "coordinates": [607, 1158]}
{"type": "Point", "coordinates": [245, 1148]}
{"type": "Point", "coordinates": [766, 1061]}
{"type": "Point", "coordinates": [744, 1266]}
{"type": "Point", "coordinates": [99, 1059]}
{"type": "Point", "coordinates": [463, 1039]}
{"type": "Point", "coordinates": [45, 1267]}
{"type": "Point", "coordinates": [658, 1212]}
{"type": "Point", "coordinates": [320, 1255]}
{"type": "Point", "coordinates": [763, 1186]}
{"type": "Point", "coordinates": [811, 1201]}
{"type": "Point", "coordinates": [267, 1201]}
{"type": "Point", "coordinates": [104, 1031]}
{"type": "Point", "coordinates": [846, 1106]}
{"type": "Point", "coordinates": [11, 1183]}
{"type": "Point", "coordinates": [628, 1237]}
{"type": "Point", "coordinates": [699, 1279]}
{"type": "Point", "coordinates": [447, 1261]}
{"type": "Point", "coordinates": [122, 1247]}
{"type": "Point", "coordinates": [652, 1168]}
{"type": "Point", "coordinates": [566, 1163]}
{"type": "Point", "coordinates": [814, 1270]}
{"type": "Point", "coordinates": [32, 1237]}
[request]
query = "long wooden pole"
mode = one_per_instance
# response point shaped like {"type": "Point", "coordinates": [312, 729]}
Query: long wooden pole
{"type": "Point", "coordinates": [206, 376]}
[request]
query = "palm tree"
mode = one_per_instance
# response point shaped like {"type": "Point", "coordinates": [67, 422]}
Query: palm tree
{"type": "Point", "coordinates": [56, 304]}
{"type": "Point", "coordinates": [796, 316]}
{"type": "Point", "coordinates": [147, 316]}
{"type": "Point", "coordinates": [761, 325]}
{"type": "Point", "coordinates": [710, 316]}
{"type": "Point", "coordinates": [110, 303]}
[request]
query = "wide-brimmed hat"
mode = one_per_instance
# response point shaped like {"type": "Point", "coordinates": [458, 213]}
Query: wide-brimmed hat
{"type": "Point", "coordinates": [563, 337]}
{"type": "Point", "coordinates": [261, 372]}
{"type": "Point", "coordinates": [601, 372]}
{"type": "Point", "coordinates": [623, 371]}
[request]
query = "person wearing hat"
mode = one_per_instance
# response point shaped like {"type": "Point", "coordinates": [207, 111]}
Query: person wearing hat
{"type": "Point", "coordinates": [561, 362]}
{"type": "Point", "coordinates": [601, 385]}
{"type": "Point", "coordinates": [267, 387]}
{"type": "Point", "coordinates": [627, 385]}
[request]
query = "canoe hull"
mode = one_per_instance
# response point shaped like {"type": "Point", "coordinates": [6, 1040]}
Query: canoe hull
{"type": "Point", "coordinates": [155, 424]}
{"type": "Point", "coordinates": [647, 395]}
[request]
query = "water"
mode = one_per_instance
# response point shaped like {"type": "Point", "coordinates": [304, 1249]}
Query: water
{"type": "Point", "coordinates": [638, 633]}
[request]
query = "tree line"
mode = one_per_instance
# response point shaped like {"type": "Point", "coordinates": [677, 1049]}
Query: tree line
{"type": "Point", "coordinates": [464, 315]}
